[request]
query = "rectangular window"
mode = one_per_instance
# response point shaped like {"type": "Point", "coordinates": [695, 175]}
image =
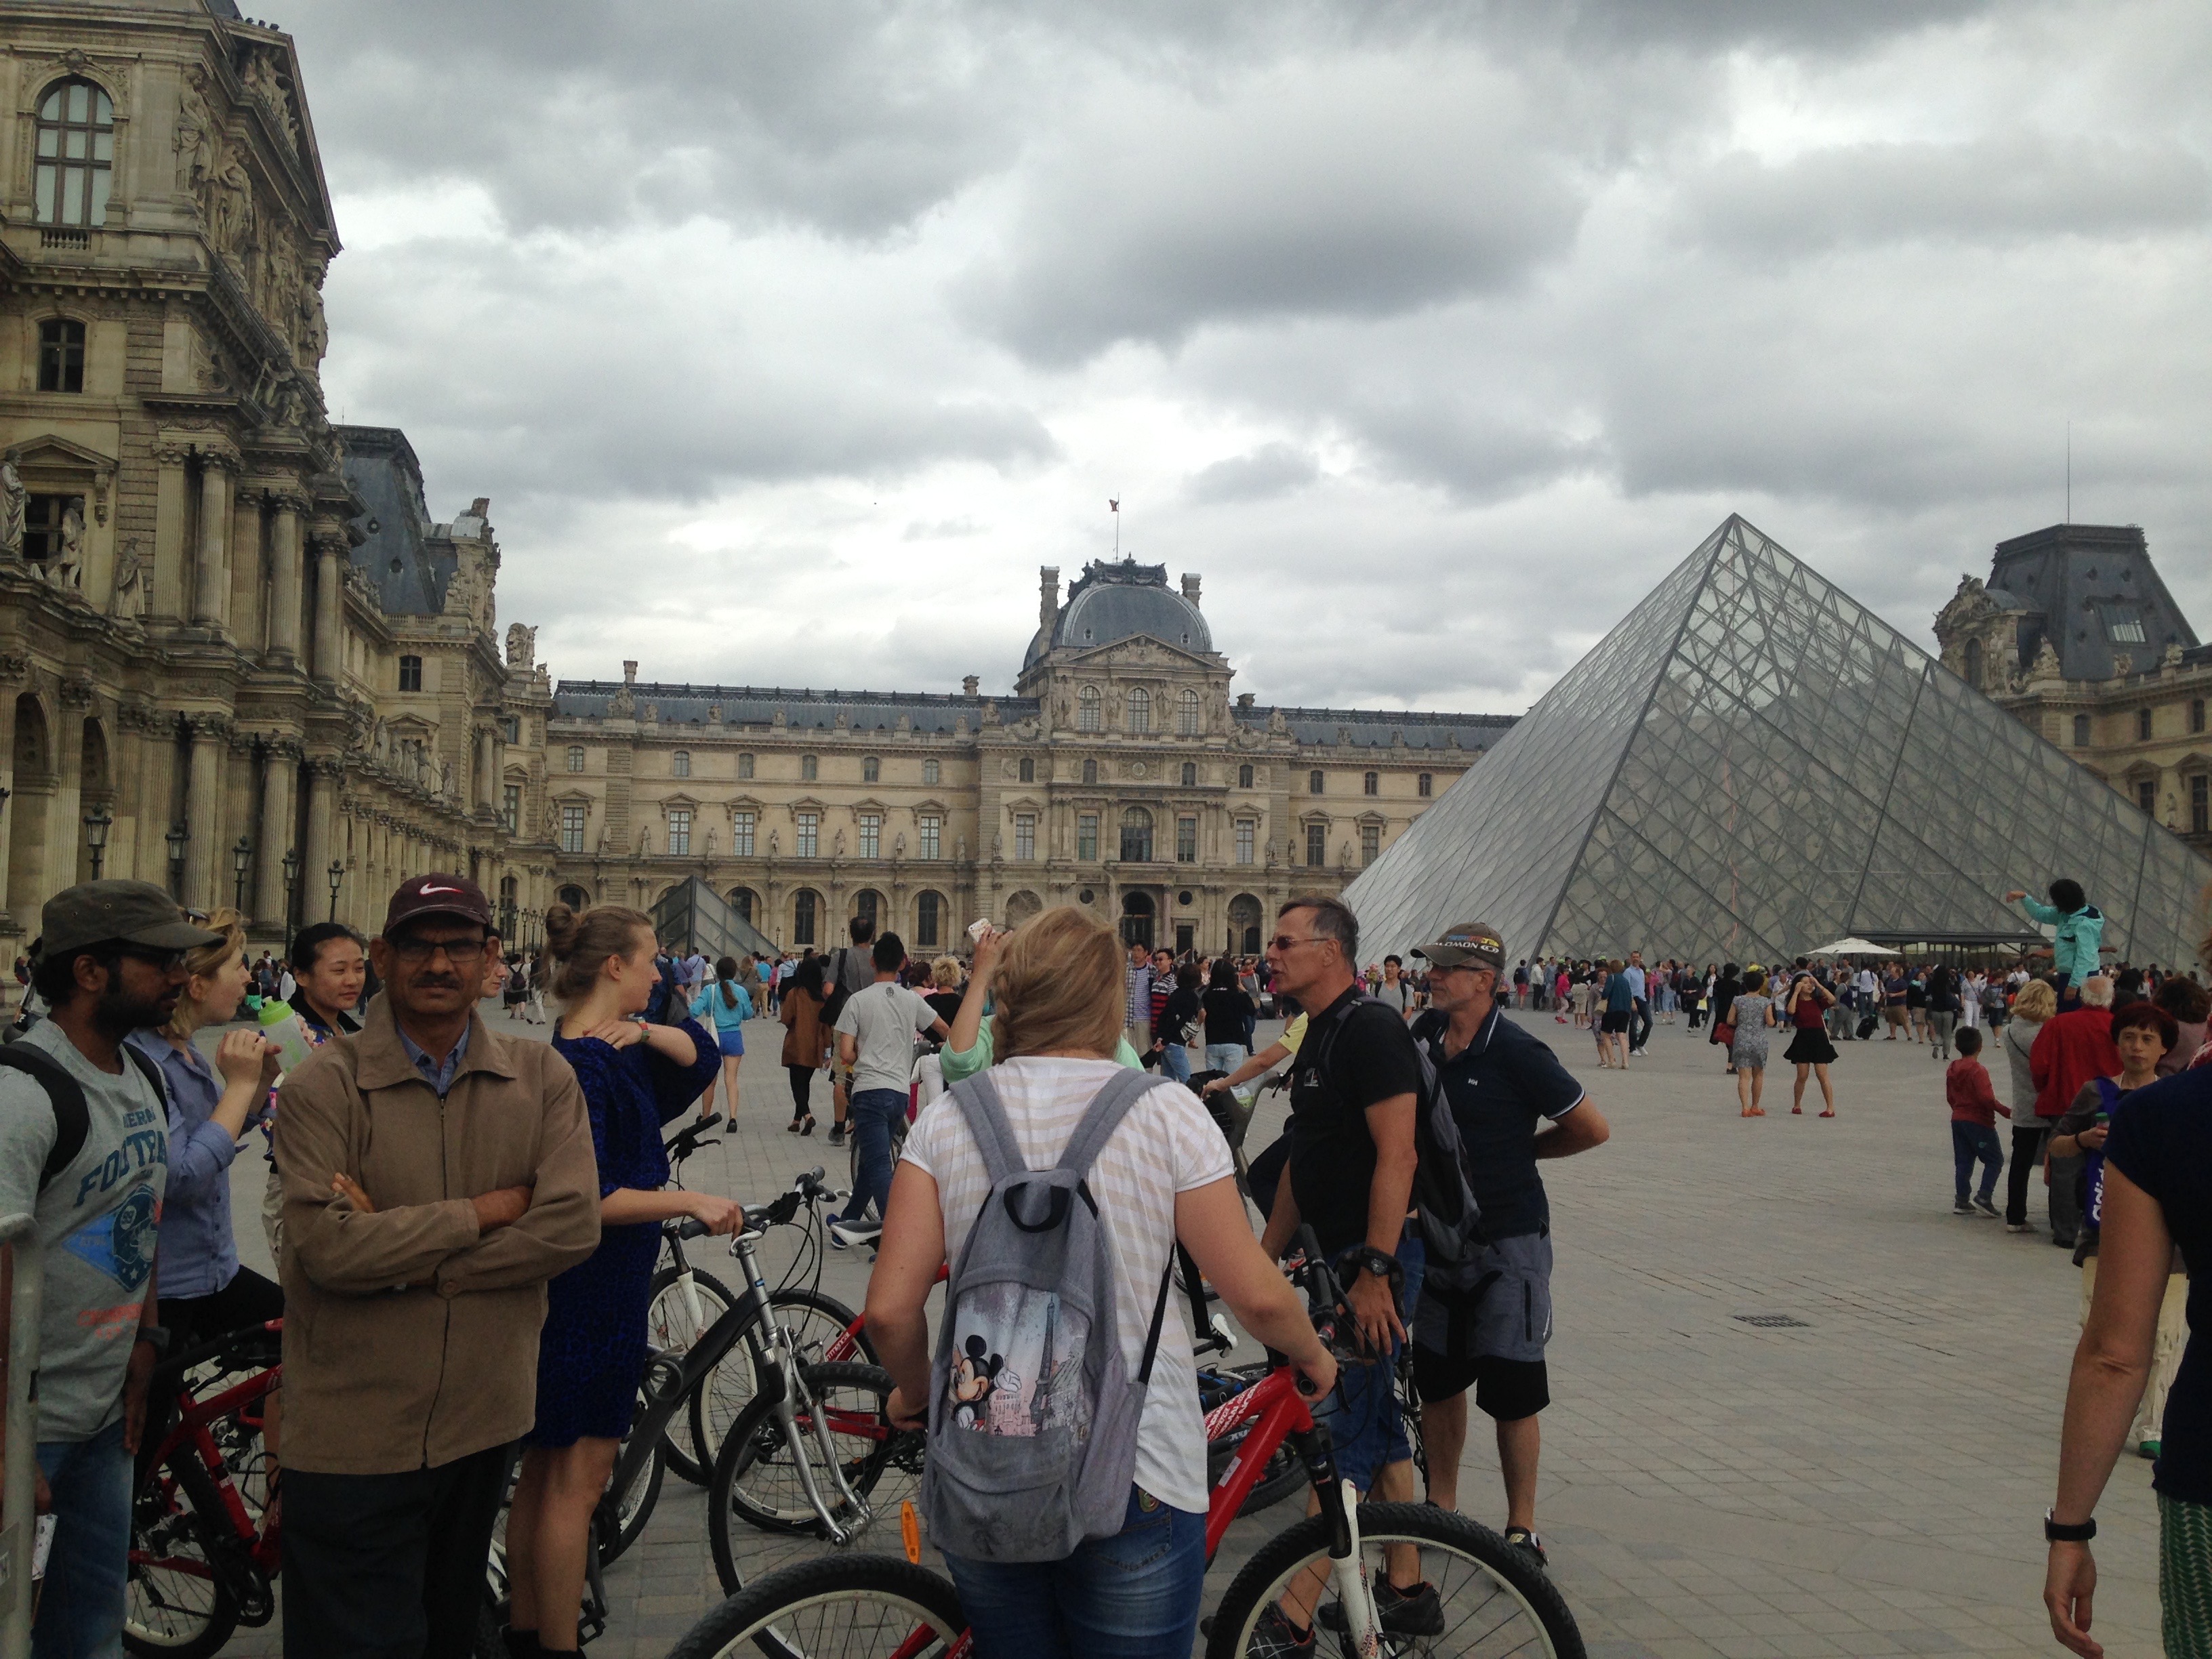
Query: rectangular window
{"type": "Point", "coordinates": [1370, 842]}
{"type": "Point", "coordinates": [871, 834]}
{"type": "Point", "coordinates": [410, 673]}
{"type": "Point", "coordinates": [926, 920]}
{"type": "Point", "coordinates": [2081, 730]}
{"type": "Point", "coordinates": [575, 758]}
{"type": "Point", "coordinates": [2122, 624]}
{"type": "Point", "coordinates": [1316, 844]}
{"type": "Point", "coordinates": [1024, 835]}
{"type": "Point", "coordinates": [1086, 835]}
{"type": "Point", "coordinates": [1186, 841]}
{"type": "Point", "coordinates": [871, 769]}
{"type": "Point", "coordinates": [46, 524]}
{"type": "Point", "coordinates": [679, 763]}
{"type": "Point", "coordinates": [510, 727]}
{"type": "Point", "coordinates": [1243, 777]}
{"type": "Point", "coordinates": [2147, 795]}
{"type": "Point", "coordinates": [809, 834]}
{"type": "Point", "coordinates": [510, 811]}
{"type": "Point", "coordinates": [61, 356]}
{"type": "Point", "coordinates": [1247, 835]}
{"type": "Point", "coordinates": [2200, 805]}
{"type": "Point", "coordinates": [572, 826]}
{"type": "Point", "coordinates": [679, 831]}
{"type": "Point", "coordinates": [810, 767]}
{"type": "Point", "coordinates": [932, 826]}
{"type": "Point", "coordinates": [1371, 783]}
{"type": "Point", "coordinates": [1028, 769]}
{"type": "Point", "coordinates": [744, 766]}
{"type": "Point", "coordinates": [1313, 783]}
{"type": "Point", "coordinates": [930, 771]}
{"type": "Point", "coordinates": [741, 834]}
{"type": "Point", "coordinates": [1424, 786]}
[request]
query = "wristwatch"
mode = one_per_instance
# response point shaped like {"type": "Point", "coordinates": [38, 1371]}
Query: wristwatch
{"type": "Point", "coordinates": [156, 1334]}
{"type": "Point", "coordinates": [1381, 1263]}
{"type": "Point", "coordinates": [2058, 1532]}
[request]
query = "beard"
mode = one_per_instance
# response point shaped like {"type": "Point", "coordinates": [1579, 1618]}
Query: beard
{"type": "Point", "coordinates": [118, 1013]}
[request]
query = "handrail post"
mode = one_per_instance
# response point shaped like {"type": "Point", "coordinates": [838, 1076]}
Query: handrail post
{"type": "Point", "coordinates": [19, 1492]}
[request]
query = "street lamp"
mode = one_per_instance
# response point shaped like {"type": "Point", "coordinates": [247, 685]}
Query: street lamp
{"type": "Point", "coordinates": [336, 874]}
{"type": "Point", "coordinates": [96, 823]}
{"type": "Point", "coordinates": [291, 884]}
{"type": "Point", "coordinates": [177, 837]}
{"type": "Point", "coordinates": [241, 856]}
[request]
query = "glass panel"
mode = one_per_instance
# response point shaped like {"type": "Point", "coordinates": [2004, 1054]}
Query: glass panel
{"type": "Point", "coordinates": [43, 194]}
{"type": "Point", "coordinates": [74, 143]}
{"type": "Point", "coordinates": [103, 111]}
{"type": "Point", "coordinates": [79, 101]}
{"type": "Point", "coordinates": [100, 183]}
{"type": "Point", "coordinates": [50, 141]}
{"type": "Point", "coordinates": [72, 195]}
{"type": "Point", "coordinates": [51, 109]}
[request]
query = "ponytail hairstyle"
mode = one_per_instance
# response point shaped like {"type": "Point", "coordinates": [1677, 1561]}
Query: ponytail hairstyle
{"type": "Point", "coordinates": [726, 974]}
{"type": "Point", "coordinates": [208, 959]}
{"type": "Point", "coordinates": [579, 947]}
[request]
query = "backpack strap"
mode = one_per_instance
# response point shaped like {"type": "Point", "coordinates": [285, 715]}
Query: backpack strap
{"type": "Point", "coordinates": [72, 1120]}
{"type": "Point", "coordinates": [977, 1097]}
{"type": "Point", "coordinates": [1108, 1108]}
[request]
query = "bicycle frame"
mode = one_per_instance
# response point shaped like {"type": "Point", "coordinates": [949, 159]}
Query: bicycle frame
{"type": "Point", "coordinates": [263, 1548]}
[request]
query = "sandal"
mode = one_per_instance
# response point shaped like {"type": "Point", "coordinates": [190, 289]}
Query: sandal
{"type": "Point", "coordinates": [1797, 1111]}
{"type": "Point", "coordinates": [809, 1129]}
{"type": "Point", "coordinates": [1828, 1114]}
{"type": "Point", "coordinates": [792, 1127]}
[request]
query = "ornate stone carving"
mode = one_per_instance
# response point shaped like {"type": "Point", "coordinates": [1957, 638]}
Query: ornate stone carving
{"type": "Point", "coordinates": [76, 694]}
{"type": "Point", "coordinates": [264, 73]}
{"type": "Point", "coordinates": [15, 501]}
{"type": "Point", "coordinates": [66, 568]}
{"type": "Point", "coordinates": [208, 723]}
{"type": "Point", "coordinates": [195, 140]}
{"type": "Point", "coordinates": [232, 217]}
{"type": "Point", "coordinates": [522, 650]}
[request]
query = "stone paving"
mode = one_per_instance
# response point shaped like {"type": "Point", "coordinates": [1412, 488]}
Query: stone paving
{"type": "Point", "coordinates": [1867, 1483]}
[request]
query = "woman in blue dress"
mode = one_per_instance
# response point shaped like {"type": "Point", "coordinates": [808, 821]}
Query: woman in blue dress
{"type": "Point", "coordinates": [636, 1077]}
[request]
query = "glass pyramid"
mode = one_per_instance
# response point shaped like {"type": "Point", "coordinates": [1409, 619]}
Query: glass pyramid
{"type": "Point", "coordinates": [1751, 764]}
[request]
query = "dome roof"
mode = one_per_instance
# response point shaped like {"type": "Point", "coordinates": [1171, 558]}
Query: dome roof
{"type": "Point", "coordinates": [1112, 602]}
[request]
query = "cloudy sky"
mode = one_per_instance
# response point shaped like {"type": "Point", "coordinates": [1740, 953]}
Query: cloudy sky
{"type": "Point", "coordinates": [789, 339]}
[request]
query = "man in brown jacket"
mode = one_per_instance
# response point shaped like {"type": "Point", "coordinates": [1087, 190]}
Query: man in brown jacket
{"type": "Point", "coordinates": [436, 1174]}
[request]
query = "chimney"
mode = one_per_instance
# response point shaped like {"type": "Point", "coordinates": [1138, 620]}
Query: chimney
{"type": "Point", "coordinates": [1048, 596]}
{"type": "Point", "coordinates": [1190, 586]}
{"type": "Point", "coordinates": [629, 671]}
{"type": "Point", "coordinates": [969, 686]}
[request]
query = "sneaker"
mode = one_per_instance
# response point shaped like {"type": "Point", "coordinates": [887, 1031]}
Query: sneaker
{"type": "Point", "coordinates": [2147, 1448]}
{"type": "Point", "coordinates": [1274, 1635]}
{"type": "Point", "coordinates": [2018, 1227]}
{"type": "Point", "coordinates": [1982, 1204]}
{"type": "Point", "coordinates": [1528, 1544]}
{"type": "Point", "coordinates": [1417, 1612]}
{"type": "Point", "coordinates": [845, 1235]}
{"type": "Point", "coordinates": [837, 1135]}
{"type": "Point", "coordinates": [1960, 1207]}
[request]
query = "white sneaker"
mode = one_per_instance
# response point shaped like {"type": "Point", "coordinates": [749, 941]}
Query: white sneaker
{"type": "Point", "coordinates": [846, 1234]}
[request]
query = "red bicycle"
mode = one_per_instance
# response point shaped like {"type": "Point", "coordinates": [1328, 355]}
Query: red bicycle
{"type": "Point", "coordinates": [205, 1541]}
{"type": "Point", "coordinates": [1492, 1601]}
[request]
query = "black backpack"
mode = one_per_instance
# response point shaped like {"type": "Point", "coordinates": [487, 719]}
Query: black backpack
{"type": "Point", "coordinates": [72, 1118]}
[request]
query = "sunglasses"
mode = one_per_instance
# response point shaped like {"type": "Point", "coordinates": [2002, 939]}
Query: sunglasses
{"type": "Point", "coordinates": [168, 961]}
{"type": "Point", "coordinates": [1284, 942]}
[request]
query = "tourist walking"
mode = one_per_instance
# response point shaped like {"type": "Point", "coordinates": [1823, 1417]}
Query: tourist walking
{"type": "Point", "coordinates": [875, 1035]}
{"type": "Point", "coordinates": [1942, 1010]}
{"type": "Point", "coordinates": [806, 1040]}
{"type": "Point", "coordinates": [1750, 1025]}
{"type": "Point", "coordinates": [2036, 1003]}
{"type": "Point", "coordinates": [1619, 1017]}
{"type": "Point", "coordinates": [2075, 1045]}
{"type": "Point", "coordinates": [1160, 1175]}
{"type": "Point", "coordinates": [1181, 1021]}
{"type": "Point", "coordinates": [730, 1005]}
{"type": "Point", "coordinates": [1227, 1012]}
{"type": "Point", "coordinates": [1809, 1049]}
{"type": "Point", "coordinates": [1974, 1108]}
{"type": "Point", "coordinates": [1726, 989]}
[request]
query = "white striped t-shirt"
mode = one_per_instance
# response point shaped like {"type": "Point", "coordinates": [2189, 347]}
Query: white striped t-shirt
{"type": "Point", "coordinates": [1165, 1144]}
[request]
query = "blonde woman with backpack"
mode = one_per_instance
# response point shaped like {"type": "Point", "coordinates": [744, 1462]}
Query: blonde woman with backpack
{"type": "Point", "coordinates": [1161, 1176]}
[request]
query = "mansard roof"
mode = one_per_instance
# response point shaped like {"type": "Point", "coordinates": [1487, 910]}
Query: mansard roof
{"type": "Point", "coordinates": [409, 572]}
{"type": "Point", "coordinates": [804, 710]}
{"type": "Point", "coordinates": [2090, 589]}
{"type": "Point", "coordinates": [1120, 600]}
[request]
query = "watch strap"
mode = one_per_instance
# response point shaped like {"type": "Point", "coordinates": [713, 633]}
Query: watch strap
{"type": "Point", "coordinates": [2058, 1532]}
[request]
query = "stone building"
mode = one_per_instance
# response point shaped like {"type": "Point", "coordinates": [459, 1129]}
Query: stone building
{"type": "Point", "coordinates": [2076, 633]}
{"type": "Point", "coordinates": [236, 657]}
{"type": "Point", "coordinates": [1122, 775]}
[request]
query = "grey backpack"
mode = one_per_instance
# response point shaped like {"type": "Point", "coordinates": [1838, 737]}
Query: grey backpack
{"type": "Point", "coordinates": [1032, 1411]}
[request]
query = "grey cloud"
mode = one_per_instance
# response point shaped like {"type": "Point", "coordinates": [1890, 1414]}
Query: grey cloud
{"type": "Point", "coordinates": [2003, 188]}
{"type": "Point", "coordinates": [1271, 469]}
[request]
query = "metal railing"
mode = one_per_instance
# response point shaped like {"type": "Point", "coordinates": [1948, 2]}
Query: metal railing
{"type": "Point", "coordinates": [19, 1246]}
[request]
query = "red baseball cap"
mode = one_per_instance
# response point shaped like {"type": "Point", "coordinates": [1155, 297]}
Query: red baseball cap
{"type": "Point", "coordinates": [436, 894]}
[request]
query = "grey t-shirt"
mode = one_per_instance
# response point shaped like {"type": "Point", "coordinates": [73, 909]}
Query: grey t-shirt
{"type": "Point", "coordinates": [882, 1019]}
{"type": "Point", "coordinates": [96, 1227]}
{"type": "Point", "coordinates": [853, 967]}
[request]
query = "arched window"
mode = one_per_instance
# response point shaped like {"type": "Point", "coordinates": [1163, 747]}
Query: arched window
{"type": "Point", "coordinates": [1190, 775]}
{"type": "Point", "coordinates": [1086, 709]}
{"type": "Point", "coordinates": [1244, 924]}
{"type": "Point", "coordinates": [928, 920]}
{"type": "Point", "coordinates": [1090, 771]}
{"type": "Point", "coordinates": [1974, 664]}
{"type": "Point", "coordinates": [1371, 783]}
{"type": "Point", "coordinates": [576, 757]}
{"type": "Point", "coordinates": [1141, 710]}
{"type": "Point", "coordinates": [76, 154]}
{"type": "Point", "coordinates": [868, 906]}
{"type": "Point", "coordinates": [679, 763]}
{"type": "Point", "coordinates": [2081, 730]}
{"type": "Point", "coordinates": [1136, 836]}
{"type": "Point", "coordinates": [574, 897]}
{"type": "Point", "coordinates": [871, 769]}
{"type": "Point", "coordinates": [1021, 906]}
{"type": "Point", "coordinates": [1187, 714]}
{"type": "Point", "coordinates": [810, 767]}
{"type": "Point", "coordinates": [745, 904]}
{"type": "Point", "coordinates": [805, 910]}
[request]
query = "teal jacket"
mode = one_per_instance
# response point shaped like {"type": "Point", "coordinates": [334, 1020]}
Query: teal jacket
{"type": "Point", "coordinates": [2073, 950]}
{"type": "Point", "coordinates": [727, 1018]}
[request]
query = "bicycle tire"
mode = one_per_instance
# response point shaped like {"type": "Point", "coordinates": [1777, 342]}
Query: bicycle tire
{"type": "Point", "coordinates": [1507, 1597]}
{"type": "Point", "coordinates": [825, 1592]}
{"type": "Point", "coordinates": [193, 1518]}
{"type": "Point", "coordinates": [812, 1321]}
{"type": "Point", "coordinates": [664, 1329]}
{"type": "Point", "coordinates": [634, 1507]}
{"type": "Point", "coordinates": [749, 1478]}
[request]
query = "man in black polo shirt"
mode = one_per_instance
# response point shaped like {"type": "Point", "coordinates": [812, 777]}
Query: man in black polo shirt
{"type": "Point", "coordinates": [1355, 1085]}
{"type": "Point", "coordinates": [1503, 1082]}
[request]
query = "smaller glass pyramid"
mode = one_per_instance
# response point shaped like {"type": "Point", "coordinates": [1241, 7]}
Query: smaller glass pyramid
{"type": "Point", "coordinates": [1751, 764]}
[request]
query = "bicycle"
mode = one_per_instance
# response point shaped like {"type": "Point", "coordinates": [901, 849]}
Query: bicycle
{"type": "Point", "coordinates": [1492, 1601]}
{"type": "Point", "coordinates": [202, 1551]}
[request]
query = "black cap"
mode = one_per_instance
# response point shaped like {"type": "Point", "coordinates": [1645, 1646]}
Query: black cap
{"type": "Point", "coordinates": [135, 912]}
{"type": "Point", "coordinates": [436, 895]}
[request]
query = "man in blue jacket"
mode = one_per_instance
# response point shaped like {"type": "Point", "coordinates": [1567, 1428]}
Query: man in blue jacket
{"type": "Point", "coordinates": [2081, 931]}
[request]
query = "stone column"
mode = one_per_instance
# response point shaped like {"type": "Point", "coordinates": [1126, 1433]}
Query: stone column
{"type": "Point", "coordinates": [280, 769]}
{"type": "Point", "coordinates": [284, 599]}
{"type": "Point", "coordinates": [330, 601]}
{"type": "Point", "coordinates": [488, 767]}
{"type": "Point", "coordinates": [204, 814]}
{"type": "Point", "coordinates": [211, 596]}
{"type": "Point", "coordinates": [172, 496]}
{"type": "Point", "coordinates": [245, 620]}
{"type": "Point", "coordinates": [323, 774]}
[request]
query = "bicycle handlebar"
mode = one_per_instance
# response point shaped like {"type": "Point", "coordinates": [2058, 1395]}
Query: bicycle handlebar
{"type": "Point", "coordinates": [689, 1140]}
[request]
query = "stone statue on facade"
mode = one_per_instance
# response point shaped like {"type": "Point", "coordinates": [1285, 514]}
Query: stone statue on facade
{"type": "Point", "coordinates": [234, 209]}
{"type": "Point", "coordinates": [129, 603]}
{"type": "Point", "coordinates": [837, 845]}
{"type": "Point", "coordinates": [66, 568]}
{"type": "Point", "coordinates": [774, 843]}
{"type": "Point", "coordinates": [15, 504]}
{"type": "Point", "coordinates": [195, 140]}
{"type": "Point", "coordinates": [1276, 723]}
{"type": "Point", "coordinates": [521, 645]}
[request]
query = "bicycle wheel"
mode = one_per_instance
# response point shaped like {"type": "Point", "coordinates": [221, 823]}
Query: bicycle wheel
{"type": "Point", "coordinates": [757, 1478]}
{"type": "Point", "coordinates": [1284, 1475]}
{"type": "Point", "coordinates": [1495, 1603]}
{"type": "Point", "coordinates": [174, 1603]}
{"type": "Point", "coordinates": [634, 1508]}
{"type": "Point", "coordinates": [671, 1327]}
{"type": "Point", "coordinates": [815, 1323]}
{"type": "Point", "coordinates": [835, 1606]}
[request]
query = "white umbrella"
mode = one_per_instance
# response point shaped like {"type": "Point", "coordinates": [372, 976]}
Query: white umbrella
{"type": "Point", "coordinates": [1853, 946]}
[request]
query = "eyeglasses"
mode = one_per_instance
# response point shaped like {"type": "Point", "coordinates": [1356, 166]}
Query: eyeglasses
{"type": "Point", "coordinates": [1284, 942]}
{"type": "Point", "coordinates": [168, 961]}
{"type": "Point", "coordinates": [461, 952]}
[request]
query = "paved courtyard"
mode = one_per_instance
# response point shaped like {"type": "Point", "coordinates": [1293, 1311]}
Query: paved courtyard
{"type": "Point", "coordinates": [1866, 1482]}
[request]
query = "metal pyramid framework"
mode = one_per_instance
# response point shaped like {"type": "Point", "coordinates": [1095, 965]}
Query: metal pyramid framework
{"type": "Point", "coordinates": [1752, 763]}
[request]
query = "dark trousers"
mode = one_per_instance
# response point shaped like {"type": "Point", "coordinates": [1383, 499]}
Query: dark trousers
{"type": "Point", "coordinates": [1972, 1143]}
{"type": "Point", "coordinates": [390, 1566]}
{"type": "Point", "coordinates": [802, 1089]}
{"type": "Point", "coordinates": [1639, 1023]}
{"type": "Point", "coordinates": [2026, 1158]}
{"type": "Point", "coordinates": [2065, 1200]}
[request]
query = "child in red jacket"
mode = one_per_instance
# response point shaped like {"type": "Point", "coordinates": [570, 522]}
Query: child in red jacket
{"type": "Point", "coordinates": [1974, 1107]}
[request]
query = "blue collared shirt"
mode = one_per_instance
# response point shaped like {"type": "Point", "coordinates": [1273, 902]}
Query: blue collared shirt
{"type": "Point", "coordinates": [437, 1075]}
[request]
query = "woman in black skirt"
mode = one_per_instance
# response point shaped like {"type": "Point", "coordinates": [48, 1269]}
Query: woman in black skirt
{"type": "Point", "coordinates": [1809, 1049]}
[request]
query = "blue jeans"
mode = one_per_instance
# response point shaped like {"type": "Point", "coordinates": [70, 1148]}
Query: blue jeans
{"type": "Point", "coordinates": [1970, 1142]}
{"type": "Point", "coordinates": [874, 1111]}
{"type": "Point", "coordinates": [1224, 1057]}
{"type": "Point", "coordinates": [1134, 1596]}
{"type": "Point", "coordinates": [1175, 1062]}
{"type": "Point", "coordinates": [1362, 1412]}
{"type": "Point", "coordinates": [81, 1611]}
